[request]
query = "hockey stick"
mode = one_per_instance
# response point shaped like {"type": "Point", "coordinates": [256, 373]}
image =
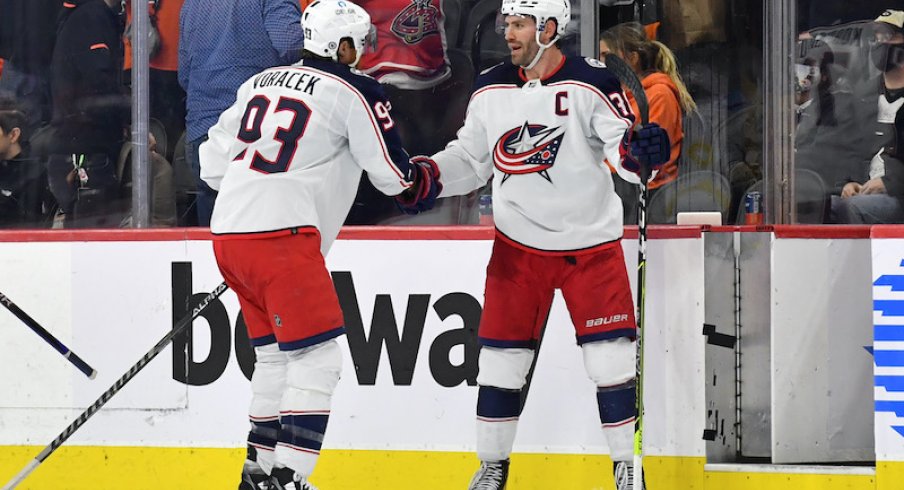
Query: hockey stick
{"type": "Point", "coordinates": [105, 397]}
{"type": "Point", "coordinates": [76, 361]}
{"type": "Point", "coordinates": [627, 76]}
{"type": "Point", "coordinates": [533, 363]}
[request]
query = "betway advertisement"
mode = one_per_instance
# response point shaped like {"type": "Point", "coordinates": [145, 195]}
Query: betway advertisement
{"type": "Point", "coordinates": [412, 309]}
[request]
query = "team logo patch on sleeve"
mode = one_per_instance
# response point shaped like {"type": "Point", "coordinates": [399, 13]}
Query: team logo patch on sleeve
{"type": "Point", "coordinates": [531, 148]}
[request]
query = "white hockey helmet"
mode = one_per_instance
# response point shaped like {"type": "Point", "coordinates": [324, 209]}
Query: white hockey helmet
{"type": "Point", "coordinates": [326, 22]}
{"type": "Point", "coordinates": [541, 11]}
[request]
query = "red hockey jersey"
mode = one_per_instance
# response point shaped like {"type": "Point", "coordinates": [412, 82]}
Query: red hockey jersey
{"type": "Point", "coordinates": [411, 50]}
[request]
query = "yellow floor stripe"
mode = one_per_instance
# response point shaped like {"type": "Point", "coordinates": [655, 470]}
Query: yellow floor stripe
{"type": "Point", "coordinates": [140, 468]}
{"type": "Point", "coordinates": [890, 476]}
{"type": "Point", "coordinates": [674, 473]}
{"type": "Point", "coordinates": [761, 481]}
{"type": "Point", "coordinates": [83, 467]}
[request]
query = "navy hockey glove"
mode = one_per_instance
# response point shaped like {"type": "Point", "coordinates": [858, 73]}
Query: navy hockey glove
{"type": "Point", "coordinates": [645, 149]}
{"type": "Point", "coordinates": [421, 196]}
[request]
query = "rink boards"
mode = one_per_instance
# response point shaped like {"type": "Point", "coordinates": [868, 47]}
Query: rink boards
{"type": "Point", "coordinates": [403, 419]}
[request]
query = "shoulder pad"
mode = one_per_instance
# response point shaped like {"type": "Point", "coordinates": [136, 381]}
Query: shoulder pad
{"type": "Point", "coordinates": [487, 70]}
{"type": "Point", "coordinates": [595, 62]}
{"type": "Point", "coordinates": [590, 71]}
{"type": "Point", "coordinates": [355, 71]}
{"type": "Point", "coordinates": [363, 82]}
{"type": "Point", "coordinates": [502, 74]}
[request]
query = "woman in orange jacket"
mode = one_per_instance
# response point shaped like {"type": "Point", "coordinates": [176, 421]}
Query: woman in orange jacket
{"type": "Point", "coordinates": [657, 68]}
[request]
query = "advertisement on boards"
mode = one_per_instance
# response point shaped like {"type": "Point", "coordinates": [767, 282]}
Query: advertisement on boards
{"type": "Point", "coordinates": [888, 347]}
{"type": "Point", "coordinates": [410, 352]}
{"type": "Point", "coordinates": [412, 308]}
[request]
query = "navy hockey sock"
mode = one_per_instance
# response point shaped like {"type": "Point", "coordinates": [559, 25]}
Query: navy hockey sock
{"type": "Point", "coordinates": [262, 436]}
{"type": "Point", "coordinates": [303, 432]}
{"type": "Point", "coordinates": [497, 403]}
{"type": "Point", "coordinates": [617, 403]}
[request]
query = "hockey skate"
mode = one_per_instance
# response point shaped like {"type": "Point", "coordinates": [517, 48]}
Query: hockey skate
{"type": "Point", "coordinates": [285, 479]}
{"type": "Point", "coordinates": [490, 476]}
{"type": "Point", "coordinates": [254, 478]}
{"type": "Point", "coordinates": [624, 477]}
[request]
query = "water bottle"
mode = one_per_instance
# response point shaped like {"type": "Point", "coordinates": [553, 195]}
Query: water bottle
{"type": "Point", "coordinates": [753, 208]}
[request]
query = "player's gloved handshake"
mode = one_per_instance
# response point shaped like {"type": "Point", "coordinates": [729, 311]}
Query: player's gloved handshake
{"type": "Point", "coordinates": [645, 148]}
{"type": "Point", "coordinates": [421, 196]}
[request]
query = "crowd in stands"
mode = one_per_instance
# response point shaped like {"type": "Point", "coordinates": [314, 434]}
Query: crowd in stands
{"type": "Point", "coordinates": [65, 101]}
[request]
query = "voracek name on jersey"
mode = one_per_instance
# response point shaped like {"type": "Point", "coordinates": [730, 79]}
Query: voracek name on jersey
{"type": "Point", "coordinates": [402, 342]}
{"type": "Point", "coordinates": [288, 78]}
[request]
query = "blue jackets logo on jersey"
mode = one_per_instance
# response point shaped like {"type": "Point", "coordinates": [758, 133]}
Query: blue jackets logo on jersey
{"type": "Point", "coordinates": [531, 148]}
{"type": "Point", "coordinates": [416, 21]}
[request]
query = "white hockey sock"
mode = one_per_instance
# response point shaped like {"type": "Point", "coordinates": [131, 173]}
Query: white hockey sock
{"type": "Point", "coordinates": [610, 364]}
{"type": "Point", "coordinates": [311, 377]}
{"type": "Point", "coordinates": [267, 385]}
{"type": "Point", "coordinates": [497, 422]}
{"type": "Point", "coordinates": [495, 439]}
{"type": "Point", "coordinates": [502, 375]}
{"type": "Point", "coordinates": [621, 441]}
{"type": "Point", "coordinates": [301, 462]}
{"type": "Point", "coordinates": [266, 459]}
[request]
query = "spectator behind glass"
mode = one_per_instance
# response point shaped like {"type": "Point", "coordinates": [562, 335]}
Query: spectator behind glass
{"type": "Point", "coordinates": [412, 64]}
{"type": "Point", "coordinates": [821, 13]}
{"type": "Point", "coordinates": [222, 44]}
{"type": "Point", "coordinates": [836, 113]}
{"type": "Point", "coordinates": [411, 53]}
{"type": "Point", "coordinates": [167, 99]}
{"type": "Point", "coordinates": [27, 33]}
{"type": "Point", "coordinates": [163, 198]}
{"type": "Point", "coordinates": [668, 97]}
{"type": "Point", "coordinates": [878, 200]}
{"type": "Point", "coordinates": [90, 112]}
{"type": "Point", "coordinates": [22, 178]}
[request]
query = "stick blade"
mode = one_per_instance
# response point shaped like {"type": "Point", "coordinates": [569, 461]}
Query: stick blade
{"type": "Point", "coordinates": [626, 76]}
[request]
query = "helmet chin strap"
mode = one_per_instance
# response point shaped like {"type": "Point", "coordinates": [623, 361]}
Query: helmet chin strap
{"type": "Point", "coordinates": [543, 47]}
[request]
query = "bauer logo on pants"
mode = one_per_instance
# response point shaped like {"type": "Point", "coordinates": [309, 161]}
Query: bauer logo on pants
{"type": "Point", "coordinates": [606, 321]}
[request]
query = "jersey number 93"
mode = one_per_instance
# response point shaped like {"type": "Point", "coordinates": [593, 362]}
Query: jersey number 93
{"type": "Point", "coordinates": [251, 131]}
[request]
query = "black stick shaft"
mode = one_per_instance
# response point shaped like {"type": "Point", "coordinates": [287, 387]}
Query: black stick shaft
{"type": "Point", "coordinates": [627, 76]}
{"type": "Point", "coordinates": [48, 337]}
{"type": "Point", "coordinates": [641, 323]}
{"type": "Point", "coordinates": [533, 363]}
{"type": "Point", "coordinates": [105, 397]}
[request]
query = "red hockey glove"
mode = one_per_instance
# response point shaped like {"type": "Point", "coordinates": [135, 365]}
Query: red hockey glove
{"type": "Point", "coordinates": [422, 195]}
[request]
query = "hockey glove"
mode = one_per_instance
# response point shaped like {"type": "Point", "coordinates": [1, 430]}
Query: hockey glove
{"type": "Point", "coordinates": [645, 149]}
{"type": "Point", "coordinates": [421, 196]}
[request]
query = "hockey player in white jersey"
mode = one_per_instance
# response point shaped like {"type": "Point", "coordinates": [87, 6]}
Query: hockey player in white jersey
{"type": "Point", "coordinates": [286, 159]}
{"type": "Point", "coordinates": [542, 127]}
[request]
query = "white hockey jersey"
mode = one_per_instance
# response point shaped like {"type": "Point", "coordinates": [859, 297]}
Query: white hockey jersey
{"type": "Point", "coordinates": [545, 143]}
{"type": "Point", "coordinates": [290, 151]}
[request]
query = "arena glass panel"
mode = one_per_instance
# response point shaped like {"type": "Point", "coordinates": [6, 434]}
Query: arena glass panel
{"type": "Point", "coordinates": [64, 89]}
{"type": "Point", "coordinates": [847, 112]}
